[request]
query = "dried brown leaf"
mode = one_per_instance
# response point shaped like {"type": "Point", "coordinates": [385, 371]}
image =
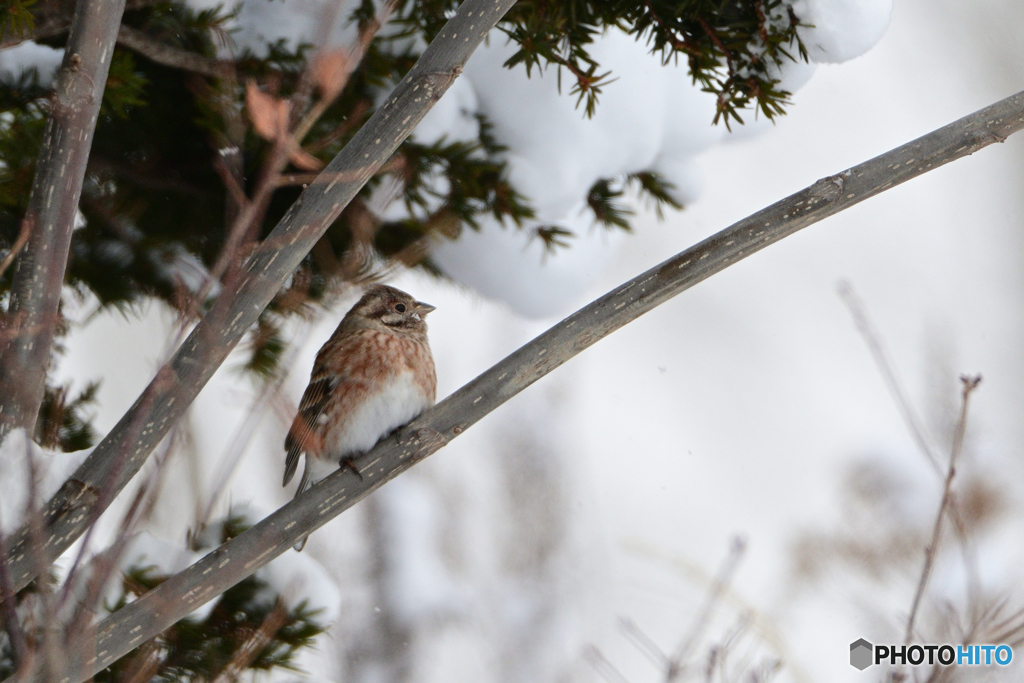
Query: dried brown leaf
{"type": "Point", "coordinates": [330, 72]}
{"type": "Point", "coordinates": [269, 114]}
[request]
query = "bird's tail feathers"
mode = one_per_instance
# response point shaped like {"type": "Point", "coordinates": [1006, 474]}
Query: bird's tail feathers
{"type": "Point", "coordinates": [304, 484]}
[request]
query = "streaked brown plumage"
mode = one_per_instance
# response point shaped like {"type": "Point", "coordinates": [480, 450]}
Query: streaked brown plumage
{"type": "Point", "coordinates": [373, 375]}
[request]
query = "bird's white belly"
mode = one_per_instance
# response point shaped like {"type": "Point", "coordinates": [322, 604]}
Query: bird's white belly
{"type": "Point", "coordinates": [392, 406]}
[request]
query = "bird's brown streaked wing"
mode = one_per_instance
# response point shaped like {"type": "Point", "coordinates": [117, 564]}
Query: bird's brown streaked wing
{"type": "Point", "coordinates": [314, 399]}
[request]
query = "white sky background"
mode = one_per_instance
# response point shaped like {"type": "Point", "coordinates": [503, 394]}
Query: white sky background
{"type": "Point", "coordinates": [738, 408]}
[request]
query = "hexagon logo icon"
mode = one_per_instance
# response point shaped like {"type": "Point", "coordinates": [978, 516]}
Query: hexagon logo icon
{"type": "Point", "coordinates": [860, 654]}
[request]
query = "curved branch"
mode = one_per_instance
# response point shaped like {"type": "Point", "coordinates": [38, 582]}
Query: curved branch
{"type": "Point", "coordinates": [172, 600]}
{"type": "Point", "coordinates": [117, 458]}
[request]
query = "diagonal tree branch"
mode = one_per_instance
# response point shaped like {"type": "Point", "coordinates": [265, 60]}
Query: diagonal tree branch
{"type": "Point", "coordinates": [117, 458]}
{"type": "Point", "coordinates": [52, 206]}
{"type": "Point", "coordinates": [243, 555]}
{"type": "Point", "coordinates": [168, 55]}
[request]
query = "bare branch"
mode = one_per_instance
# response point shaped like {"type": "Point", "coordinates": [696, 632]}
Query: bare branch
{"type": "Point", "coordinates": [677, 665]}
{"type": "Point", "coordinates": [250, 649]}
{"type": "Point", "coordinates": [885, 366]}
{"type": "Point", "coordinates": [969, 384]}
{"type": "Point", "coordinates": [52, 207]}
{"type": "Point", "coordinates": [168, 55]}
{"type": "Point", "coordinates": [192, 366]}
{"type": "Point", "coordinates": [644, 644]}
{"type": "Point", "coordinates": [19, 244]}
{"type": "Point", "coordinates": [602, 666]}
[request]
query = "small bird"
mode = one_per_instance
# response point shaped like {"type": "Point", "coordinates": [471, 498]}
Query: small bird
{"type": "Point", "coordinates": [374, 374]}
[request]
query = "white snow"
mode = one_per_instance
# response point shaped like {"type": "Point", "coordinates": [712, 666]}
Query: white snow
{"type": "Point", "coordinates": [295, 578]}
{"type": "Point", "coordinates": [19, 458]}
{"type": "Point", "coordinates": [841, 29]}
{"type": "Point", "coordinates": [164, 558]}
{"type": "Point", "coordinates": [417, 584]}
{"type": "Point", "coordinates": [652, 118]}
{"type": "Point", "coordinates": [27, 55]}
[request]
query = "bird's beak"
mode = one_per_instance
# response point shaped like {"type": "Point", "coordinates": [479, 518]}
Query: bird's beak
{"type": "Point", "coordinates": [424, 308]}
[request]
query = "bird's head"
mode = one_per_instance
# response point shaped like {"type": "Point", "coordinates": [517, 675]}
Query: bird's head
{"type": "Point", "coordinates": [394, 309]}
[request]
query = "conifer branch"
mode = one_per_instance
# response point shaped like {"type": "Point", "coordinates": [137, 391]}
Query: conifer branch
{"type": "Point", "coordinates": [244, 554]}
{"type": "Point", "coordinates": [38, 278]}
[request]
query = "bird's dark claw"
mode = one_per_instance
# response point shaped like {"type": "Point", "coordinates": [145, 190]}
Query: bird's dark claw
{"type": "Point", "coordinates": [350, 463]}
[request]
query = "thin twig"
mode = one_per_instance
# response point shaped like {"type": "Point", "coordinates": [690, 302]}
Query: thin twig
{"type": "Point", "coordinates": [26, 229]}
{"type": "Point", "coordinates": [683, 45]}
{"type": "Point", "coordinates": [677, 664]}
{"type": "Point", "coordinates": [290, 179]}
{"type": "Point", "coordinates": [111, 557]}
{"type": "Point", "coordinates": [103, 496]}
{"type": "Point", "coordinates": [145, 663]}
{"type": "Point", "coordinates": [231, 183]}
{"type": "Point", "coordinates": [251, 213]}
{"type": "Point", "coordinates": [644, 643]}
{"type": "Point", "coordinates": [913, 422]}
{"type": "Point", "coordinates": [348, 124]}
{"type": "Point", "coordinates": [877, 347]}
{"type": "Point", "coordinates": [604, 668]}
{"type": "Point", "coordinates": [931, 550]}
{"type": "Point", "coordinates": [168, 55]}
{"type": "Point", "coordinates": [247, 429]}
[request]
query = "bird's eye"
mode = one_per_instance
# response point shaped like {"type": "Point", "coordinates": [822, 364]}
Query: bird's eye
{"type": "Point", "coordinates": [400, 308]}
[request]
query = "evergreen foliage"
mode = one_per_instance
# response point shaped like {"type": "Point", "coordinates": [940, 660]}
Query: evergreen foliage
{"type": "Point", "coordinates": [249, 629]}
{"type": "Point", "coordinates": [153, 201]}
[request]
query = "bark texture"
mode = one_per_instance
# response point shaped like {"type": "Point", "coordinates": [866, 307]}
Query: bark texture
{"type": "Point", "coordinates": [33, 314]}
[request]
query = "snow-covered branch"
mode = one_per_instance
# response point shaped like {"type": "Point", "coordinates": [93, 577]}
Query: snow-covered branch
{"type": "Point", "coordinates": [52, 209]}
{"type": "Point", "coordinates": [243, 555]}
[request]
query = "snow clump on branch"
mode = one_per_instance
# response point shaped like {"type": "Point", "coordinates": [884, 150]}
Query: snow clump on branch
{"type": "Point", "coordinates": [652, 118]}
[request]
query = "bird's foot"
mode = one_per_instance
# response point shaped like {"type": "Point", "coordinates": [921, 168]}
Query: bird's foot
{"type": "Point", "coordinates": [350, 463]}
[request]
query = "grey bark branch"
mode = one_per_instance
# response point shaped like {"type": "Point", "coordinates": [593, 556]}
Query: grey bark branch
{"type": "Point", "coordinates": [39, 269]}
{"type": "Point", "coordinates": [168, 55]}
{"type": "Point", "coordinates": [117, 458]}
{"type": "Point", "coordinates": [230, 563]}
